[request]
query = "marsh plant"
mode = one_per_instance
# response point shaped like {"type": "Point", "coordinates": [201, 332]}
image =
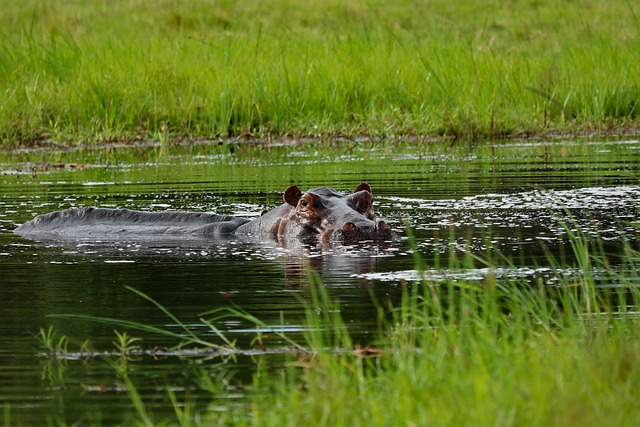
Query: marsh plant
{"type": "Point", "coordinates": [452, 352]}
{"type": "Point", "coordinates": [126, 344]}
{"type": "Point", "coordinates": [53, 346]}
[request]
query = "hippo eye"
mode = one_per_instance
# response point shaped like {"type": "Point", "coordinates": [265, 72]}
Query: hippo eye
{"type": "Point", "coordinates": [304, 203]}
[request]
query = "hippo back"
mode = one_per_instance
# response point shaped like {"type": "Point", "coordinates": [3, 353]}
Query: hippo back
{"type": "Point", "coordinates": [97, 222]}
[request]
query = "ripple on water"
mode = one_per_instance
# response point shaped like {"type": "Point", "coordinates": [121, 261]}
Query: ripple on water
{"type": "Point", "coordinates": [515, 218]}
{"type": "Point", "coordinates": [516, 199]}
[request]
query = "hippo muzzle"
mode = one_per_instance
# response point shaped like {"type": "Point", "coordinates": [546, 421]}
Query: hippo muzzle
{"type": "Point", "coordinates": [358, 231]}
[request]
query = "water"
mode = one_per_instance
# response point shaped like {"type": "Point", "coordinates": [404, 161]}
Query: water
{"type": "Point", "coordinates": [514, 198]}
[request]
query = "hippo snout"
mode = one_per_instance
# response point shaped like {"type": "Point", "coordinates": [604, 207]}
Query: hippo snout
{"type": "Point", "coordinates": [363, 230]}
{"type": "Point", "coordinates": [358, 228]}
{"type": "Point", "coordinates": [367, 227]}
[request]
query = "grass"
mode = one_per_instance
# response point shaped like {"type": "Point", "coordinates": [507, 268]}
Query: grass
{"type": "Point", "coordinates": [451, 353]}
{"type": "Point", "coordinates": [499, 354]}
{"type": "Point", "coordinates": [89, 71]}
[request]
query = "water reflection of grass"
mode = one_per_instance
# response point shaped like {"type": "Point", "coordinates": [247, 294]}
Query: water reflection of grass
{"type": "Point", "coordinates": [167, 70]}
{"type": "Point", "coordinates": [490, 353]}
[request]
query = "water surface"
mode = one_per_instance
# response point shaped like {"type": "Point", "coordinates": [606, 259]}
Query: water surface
{"type": "Point", "coordinates": [512, 198]}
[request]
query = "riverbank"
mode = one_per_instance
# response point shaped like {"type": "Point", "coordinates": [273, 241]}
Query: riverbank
{"type": "Point", "coordinates": [93, 73]}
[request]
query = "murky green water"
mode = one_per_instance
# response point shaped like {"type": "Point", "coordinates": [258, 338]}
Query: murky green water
{"type": "Point", "coordinates": [510, 197]}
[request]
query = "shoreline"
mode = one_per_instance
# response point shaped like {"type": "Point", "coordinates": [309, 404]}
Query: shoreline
{"type": "Point", "coordinates": [270, 141]}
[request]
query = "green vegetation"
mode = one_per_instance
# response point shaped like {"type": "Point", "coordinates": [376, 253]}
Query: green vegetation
{"type": "Point", "coordinates": [89, 71]}
{"type": "Point", "coordinates": [452, 353]}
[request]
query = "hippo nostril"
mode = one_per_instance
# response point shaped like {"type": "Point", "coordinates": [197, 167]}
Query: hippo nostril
{"type": "Point", "coordinates": [382, 226]}
{"type": "Point", "coordinates": [358, 227]}
{"type": "Point", "coordinates": [365, 229]}
{"type": "Point", "coordinates": [349, 226]}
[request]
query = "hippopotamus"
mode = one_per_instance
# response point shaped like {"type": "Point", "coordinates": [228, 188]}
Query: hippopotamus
{"type": "Point", "coordinates": [321, 214]}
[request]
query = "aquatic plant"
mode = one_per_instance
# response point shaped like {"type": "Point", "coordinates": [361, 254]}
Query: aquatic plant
{"type": "Point", "coordinates": [125, 343]}
{"type": "Point", "coordinates": [52, 346]}
{"type": "Point", "coordinates": [515, 352]}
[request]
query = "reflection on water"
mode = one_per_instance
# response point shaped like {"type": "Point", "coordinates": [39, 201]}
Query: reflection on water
{"type": "Point", "coordinates": [517, 199]}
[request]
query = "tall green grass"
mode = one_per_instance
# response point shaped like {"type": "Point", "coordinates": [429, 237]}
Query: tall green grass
{"type": "Point", "coordinates": [495, 353]}
{"type": "Point", "coordinates": [94, 70]}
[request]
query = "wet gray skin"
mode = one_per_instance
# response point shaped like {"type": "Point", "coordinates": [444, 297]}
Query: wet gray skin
{"type": "Point", "coordinates": [322, 214]}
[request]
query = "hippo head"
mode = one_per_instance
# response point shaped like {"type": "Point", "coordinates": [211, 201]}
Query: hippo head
{"type": "Point", "coordinates": [330, 216]}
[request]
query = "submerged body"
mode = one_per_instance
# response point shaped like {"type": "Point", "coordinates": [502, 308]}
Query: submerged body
{"type": "Point", "coordinates": [321, 214]}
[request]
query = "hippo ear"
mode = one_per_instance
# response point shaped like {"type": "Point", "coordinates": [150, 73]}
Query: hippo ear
{"type": "Point", "coordinates": [292, 195]}
{"type": "Point", "coordinates": [363, 186]}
